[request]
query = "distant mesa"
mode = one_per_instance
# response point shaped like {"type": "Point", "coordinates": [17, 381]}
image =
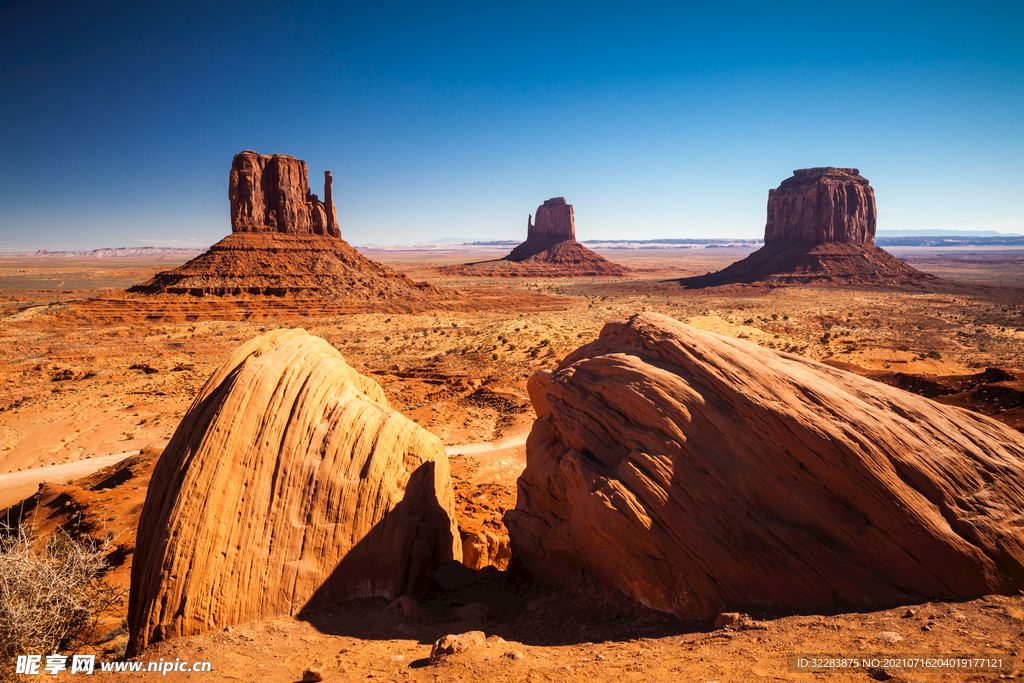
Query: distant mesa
{"type": "Point", "coordinates": [550, 250]}
{"type": "Point", "coordinates": [696, 472]}
{"type": "Point", "coordinates": [554, 224]}
{"type": "Point", "coordinates": [820, 229]}
{"type": "Point", "coordinates": [289, 484]}
{"type": "Point", "coordinates": [285, 242]}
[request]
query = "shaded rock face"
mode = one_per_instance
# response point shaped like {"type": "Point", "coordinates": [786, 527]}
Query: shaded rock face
{"type": "Point", "coordinates": [289, 484]}
{"type": "Point", "coordinates": [270, 193]}
{"type": "Point", "coordinates": [694, 472]}
{"type": "Point", "coordinates": [554, 222]}
{"type": "Point", "coordinates": [821, 205]}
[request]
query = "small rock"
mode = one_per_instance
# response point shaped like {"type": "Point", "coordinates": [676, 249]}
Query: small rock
{"type": "Point", "coordinates": [540, 603]}
{"type": "Point", "coordinates": [453, 575]}
{"type": "Point", "coordinates": [726, 618]}
{"type": "Point", "coordinates": [889, 637]}
{"type": "Point", "coordinates": [495, 640]}
{"type": "Point", "coordinates": [453, 644]}
{"type": "Point", "coordinates": [408, 607]}
{"type": "Point", "coordinates": [397, 658]}
{"type": "Point", "coordinates": [879, 674]}
{"type": "Point", "coordinates": [313, 674]}
{"type": "Point", "coordinates": [514, 654]}
{"type": "Point", "coordinates": [909, 613]}
{"type": "Point", "coordinates": [926, 627]}
{"type": "Point", "coordinates": [476, 611]}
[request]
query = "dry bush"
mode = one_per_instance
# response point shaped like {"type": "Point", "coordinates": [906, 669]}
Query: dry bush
{"type": "Point", "coordinates": [51, 595]}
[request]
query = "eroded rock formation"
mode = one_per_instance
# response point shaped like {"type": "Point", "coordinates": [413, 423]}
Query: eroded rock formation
{"type": "Point", "coordinates": [270, 193]}
{"type": "Point", "coordinates": [820, 230]}
{"type": "Point", "coordinates": [694, 471]}
{"type": "Point", "coordinates": [290, 483]}
{"type": "Point", "coordinates": [285, 242]}
{"type": "Point", "coordinates": [554, 222]}
{"type": "Point", "coordinates": [550, 250]}
{"type": "Point", "coordinates": [819, 205]}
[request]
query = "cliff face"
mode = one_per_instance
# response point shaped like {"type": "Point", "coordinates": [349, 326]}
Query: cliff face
{"type": "Point", "coordinates": [820, 205]}
{"type": "Point", "coordinates": [693, 472]}
{"type": "Point", "coordinates": [554, 222]}
{"type": "Point", "coordinates": [289, 484]}
{"type": "Point", "coordinates": [270, 193]}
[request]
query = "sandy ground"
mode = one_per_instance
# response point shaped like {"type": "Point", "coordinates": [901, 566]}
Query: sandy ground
{"type": "Point", "coordinates": [16, 486]}
{"type": "Point", "coordinates": [81, 391]}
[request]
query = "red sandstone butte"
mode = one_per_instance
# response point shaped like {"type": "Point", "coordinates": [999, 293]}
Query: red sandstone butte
{"type": "Point", "coordinates": [819, 205]}
{"type": "Point", "coordinates": [270, 193]}
{"type": "Point", "coordinates": [820, 230]}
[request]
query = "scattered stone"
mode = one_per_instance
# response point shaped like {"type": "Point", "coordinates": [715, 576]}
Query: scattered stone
{"type": "Point", "coordinates": [476, 611]}
{"type": "Point", "coordinates": [408, 607]}
{"type": "Point", "coordinates": [726, 619]}
{"type": "Point", "coordinates": [144, 367]}
{"type": "Point", "coordinates": [313, 674]}
{"type": "Point", "coordinates": [454, 644]}
{"type": "Point", "coordinates": [908, 614]}
{"type": "Point", "coordinates": [514, 654]}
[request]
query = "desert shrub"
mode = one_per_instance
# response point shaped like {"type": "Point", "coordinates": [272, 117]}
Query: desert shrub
{"type": "Point", "coordinates": [51, 595]}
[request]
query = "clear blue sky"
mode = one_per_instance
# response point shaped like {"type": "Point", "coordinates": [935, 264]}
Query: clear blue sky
{"type": "Point", "coordinates": [118, 121]}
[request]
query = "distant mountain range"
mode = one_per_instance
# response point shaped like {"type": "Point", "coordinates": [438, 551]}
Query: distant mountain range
{"type": "Point", "coordinates": [120, 252]}
{"type": "Point", "coordinates": [944, 233]}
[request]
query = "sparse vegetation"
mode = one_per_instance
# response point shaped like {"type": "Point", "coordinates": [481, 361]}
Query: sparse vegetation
{"type": "Point", "coordinates": [52, 595]}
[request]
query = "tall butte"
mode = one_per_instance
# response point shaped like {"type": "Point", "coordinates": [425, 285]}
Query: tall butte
{"type": "Point", "coordinates": [820, 229]}
{"type": "Point", "coordinates": [551, 246]}
{"type": "Point", "coordinates": [285, 242]}
{"type": "Point", "coordinates": [270, 193]}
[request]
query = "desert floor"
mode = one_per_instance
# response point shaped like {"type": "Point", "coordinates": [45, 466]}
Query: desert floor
{"type": "Point", "coordinates": [83, 388]}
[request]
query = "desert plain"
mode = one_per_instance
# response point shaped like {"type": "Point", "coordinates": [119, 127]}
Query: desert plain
{"type": "Point", "coordinates": [93, 384]}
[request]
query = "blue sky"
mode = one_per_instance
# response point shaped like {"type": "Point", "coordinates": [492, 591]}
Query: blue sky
{"type": "Point", "coordinates": [118, 121]}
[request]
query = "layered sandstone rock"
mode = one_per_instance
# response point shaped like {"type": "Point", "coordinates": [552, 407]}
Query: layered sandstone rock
{"type": "Point", "coordinates": [550, 250]}
{"type": "Point", "coordinates": [309, 266]}
{"type": "Point", "coordinates": [555, 225]}
{"type": "Point", "coordinates": [820, 230]}
{"type": "Point", "coordinates": [694, 471]}
{"type": "Point", "coordinates": [554, 222]}
{"type": "Point", "coordinates": [289, 484]}
{"type": "Point", "coordinates": [286, 243]}
{"type": "Point", "coordinates": [819, 205]}
{"type": "Point", "coordinates": [270, 193]}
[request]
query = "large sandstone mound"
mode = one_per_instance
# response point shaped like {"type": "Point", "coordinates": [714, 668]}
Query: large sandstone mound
{"type": "Point", "coordinates": [820, 229]}
{"type": "Point", "coordinates": [694, 471]}
{"type": "Point", "coordinates": [550, 250]}
{"type": "Point", "coordinates": [290, 483]}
